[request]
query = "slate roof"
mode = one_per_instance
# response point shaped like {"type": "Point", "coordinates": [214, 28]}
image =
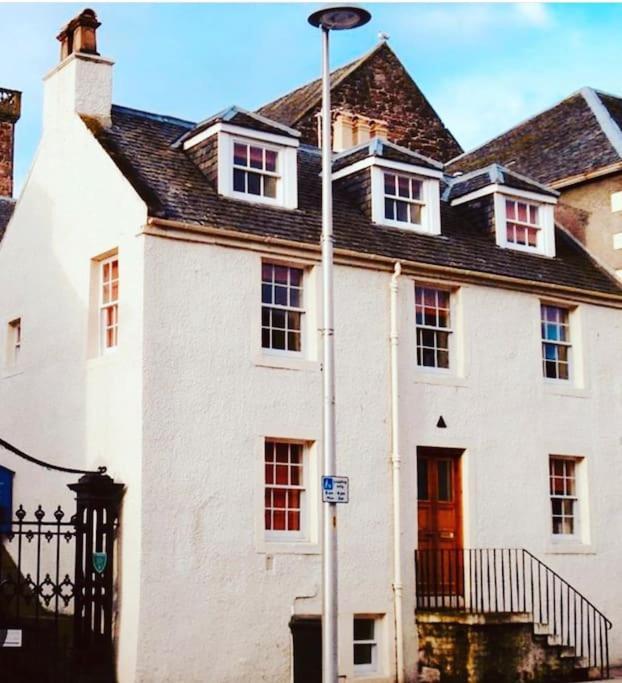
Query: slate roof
{"type": "Point", "coordinates": [385, 150]}
{"type": "Point", "coordinates": [244, 119]}
{"type": "Point", "coordinates": [290, 108]}
{"type": "Point", "coordinates": [173, 187]}
{"type": "Point", "coordinates": [459, 186]}
{"type": "Point", "coordinates": [6, 211]}
{"type": "Point", "coordinates": [579, 135]}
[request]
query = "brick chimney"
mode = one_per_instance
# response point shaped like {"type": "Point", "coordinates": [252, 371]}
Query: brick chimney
{"type": "Point", "coordinates": [82, 82]}
{"type": "Point", "coordinates": [10, 110]}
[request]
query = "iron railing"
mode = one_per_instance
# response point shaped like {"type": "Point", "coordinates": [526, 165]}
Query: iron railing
{"type": "Point", "coordinates": [512, 580]}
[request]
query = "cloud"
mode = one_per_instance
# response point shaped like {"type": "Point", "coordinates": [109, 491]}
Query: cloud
{"type": "Point", "coordinates": [535, 13]}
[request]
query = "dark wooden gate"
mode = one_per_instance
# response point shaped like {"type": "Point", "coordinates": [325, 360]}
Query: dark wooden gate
{"type": "Point", "coordinates": [56, 588]}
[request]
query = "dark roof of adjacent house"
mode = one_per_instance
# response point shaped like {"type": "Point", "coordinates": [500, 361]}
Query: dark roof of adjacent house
{"type": "Point", "coordinates": [173, 187]}
{"type": "Point", "coordinates": [376, 147]}
{"type": "Point", "coordinates": [7, 206]}
{"type": "Point", "coordinates": [378, 86]}
{"type": "Point", "coordinates": [579, 135]}
{"type": "Point", "coordinates": [495, 174]}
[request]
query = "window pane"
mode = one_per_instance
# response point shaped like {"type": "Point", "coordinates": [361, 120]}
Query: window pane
{"type": "Point", "coordinates": [254, 183]}
{"type": "Point", "coordinates": [278, 517]}
{"type": "Point", "coordinates": [293, 321]}
{"type": "Point", "coordinates": [389, 209]}
{"type": "Point", "coordinates": [282, 453]}
{"type": "Point", "coordinates": [389, 184]}
{"type": "Point", "coordinates": [278, 340]}
{"type": "Point", "coordinates": [280, 296]}
{"type": "Point", "coordinates": [240, 154]}
{"type": "Point", "coordinates": [510, 209]}
{"type": "Point", "coordinates": [278, 318]}
{"type": "Point", "coordinates": [281, 274]}
{"type": "Point", "coordinates": [269, 187]}
{"type": "Point", "coordinates": [295, 299]}
{"type": "Point", "coordinates": [363, 629]}
{"type": "Point", "coordinates": [415, 214]}
{"type": "Point", "coordinates": [256, 157]}
{"type": "Point", "coordinates": [271, 160]}
{"type": "Point", "coordinates": [521, 211]}
{"type": "Point", "coordinates": [442, 359]}
{"type": "Point", "coordinates": [416, 189]}
{"type": "Point", "coordinates": [295, 277]}
{"type": "Point", "coordinates": [293, 520]}
{"type": "Point", "coordinates": [363, 654]}
{"type": "Point", "coordinates": [239, 178]}
{"type": "Point", "coordinates": [266, 294]}
{"type": "Point", "coordinates": [444, 480]}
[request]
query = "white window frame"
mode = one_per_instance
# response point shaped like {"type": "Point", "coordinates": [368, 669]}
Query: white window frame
{"type": "Point", "coordinates": [449, 330]}
{"type": "Point", "coordinates": [104, 306]}
{"type": "Point", "coordinates": [277, 536]}
{"type": "Point", "coordinates": [545, 245]}
{"type": "Point", "coordinates": [430, 197]}
{"type": "Point", "coordinates": [261, 172]}
{"type": "Point", "coordinates": [300, 309]}
{"type": "Point", "coordinates": [287, 165]}
{"type": "Point", "coordinates": [577, 532]}
{"type": "Point", "coordinates": [14, 342]}
{"type": "Point", "coordinates": [567, 344]}
{"type": "Point", "coordinates": [374, 665]}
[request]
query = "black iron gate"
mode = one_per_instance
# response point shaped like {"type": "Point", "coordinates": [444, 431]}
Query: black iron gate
{"type": "Point", "coordinates": [57, 588]}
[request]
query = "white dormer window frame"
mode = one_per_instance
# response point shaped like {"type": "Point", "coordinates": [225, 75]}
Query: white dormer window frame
{"type": "Point", "coordinates": [544, 223]}
{"type": "Point", "coordinates": [416, 193]}
{"type": "Point", "coordinates": [285, 175]}
{"type": "Point", "coordinates": [530, 216]}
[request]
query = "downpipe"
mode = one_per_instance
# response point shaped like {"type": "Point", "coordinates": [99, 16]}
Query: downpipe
{"type": "Point", "coordinates": [395, 470]}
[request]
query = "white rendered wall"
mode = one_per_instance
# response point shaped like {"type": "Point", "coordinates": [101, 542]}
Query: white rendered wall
{"type": "Point", "coordinates": [59, 403]}
{"type": "Point", "coordinates": [208, 405]}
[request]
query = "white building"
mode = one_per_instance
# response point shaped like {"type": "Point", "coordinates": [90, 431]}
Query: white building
{"type": "Point", "coordinates": [164, 279]}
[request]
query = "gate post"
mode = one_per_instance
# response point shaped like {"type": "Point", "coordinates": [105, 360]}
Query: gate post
{"type": "Point", "coordinates": [98, 500]}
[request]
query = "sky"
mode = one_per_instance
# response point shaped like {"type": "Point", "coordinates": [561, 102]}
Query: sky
{"type": "Point", "coordinates": [484, 67]}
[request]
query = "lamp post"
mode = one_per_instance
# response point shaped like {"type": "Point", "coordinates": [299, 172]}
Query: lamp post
{"type": "Point", "coordinates": [327, 19]}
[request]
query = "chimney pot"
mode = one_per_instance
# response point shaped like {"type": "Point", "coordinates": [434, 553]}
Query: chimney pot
{"type": "Point", "coordinates": [79, 35]}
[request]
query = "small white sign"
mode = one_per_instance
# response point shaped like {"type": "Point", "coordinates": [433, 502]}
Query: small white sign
{"type": "Point", "coordinates": [11, 637]}
{"type": "Point", "coordinates": [335, 490]}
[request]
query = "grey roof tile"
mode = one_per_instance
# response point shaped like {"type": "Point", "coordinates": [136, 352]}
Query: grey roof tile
{"type": "Point", "coordinates": [173, 187]}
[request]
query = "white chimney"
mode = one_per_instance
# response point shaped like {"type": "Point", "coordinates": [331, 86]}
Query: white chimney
{"type": "Point", "coordinates": [82, 82]}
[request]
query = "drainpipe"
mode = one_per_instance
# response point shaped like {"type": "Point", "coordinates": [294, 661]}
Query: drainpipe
{"type": "Point", "coordinates": [395, 468]}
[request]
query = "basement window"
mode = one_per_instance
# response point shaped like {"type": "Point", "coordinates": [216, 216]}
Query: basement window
{"type": "Point", "coordinates": [365, 645]}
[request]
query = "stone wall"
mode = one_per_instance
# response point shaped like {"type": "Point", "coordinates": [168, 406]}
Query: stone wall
{"type": "Point", "coordinates": [382, 89]}
{"type": "Point", "coordinates": [488, 648]}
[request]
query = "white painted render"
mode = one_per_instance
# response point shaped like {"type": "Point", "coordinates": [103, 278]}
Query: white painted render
{"type": "Point", "coordinates": [180, 410]}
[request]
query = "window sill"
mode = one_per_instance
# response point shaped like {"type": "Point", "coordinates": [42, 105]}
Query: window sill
{"type": "Point", "coordinates": [288, 548]}
{"type": "Point", "coordinates": [569, 547]}
{"type": "Point", "coordinates": [371, 677]}
{"type": "Point", "coordinates": [102, 359]}
{"type": "Point", "coordinates": [267, 360]}
{"type": "Point", "coordinates": [563, 388]}
{"type": "Point", "coordinates": [439, 377]}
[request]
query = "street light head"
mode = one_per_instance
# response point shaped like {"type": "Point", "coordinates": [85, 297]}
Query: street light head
{"type": "Point", "coordinates": [339, 17]}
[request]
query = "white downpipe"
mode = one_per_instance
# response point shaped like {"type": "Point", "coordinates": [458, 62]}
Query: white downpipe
{"type": "Point", "coordinates": [395, 468]}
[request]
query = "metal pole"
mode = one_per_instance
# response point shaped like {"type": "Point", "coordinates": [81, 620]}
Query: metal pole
{"type": "Point", "coordinates": [329, 537]}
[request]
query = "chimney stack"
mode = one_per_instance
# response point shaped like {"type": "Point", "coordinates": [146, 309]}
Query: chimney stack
{"type": "Point", "coordinates": [10, 111]}
{"type": "Point", "coordinates": [82, 82]}
{"type": "Point", "coordinates": [79, 35]}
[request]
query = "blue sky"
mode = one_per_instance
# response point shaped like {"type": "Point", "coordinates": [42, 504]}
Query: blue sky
{"type": "Point", "coordinates": [484, 67]}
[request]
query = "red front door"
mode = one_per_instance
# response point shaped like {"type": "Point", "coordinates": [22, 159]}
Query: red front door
{"type": "Point", "coordinates": [439, 511]}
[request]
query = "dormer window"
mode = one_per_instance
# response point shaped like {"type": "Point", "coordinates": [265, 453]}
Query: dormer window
{"type": "Point", "coordinates": [403, 199]}
{"type": "Point", "coordinates": [246, 156]}
{"type": "Point", "coordinates": [525, 223]}
{"type": "Point", "coordinates": [255, 170]}
{"type": "Point", "coordinates": [522, 223]}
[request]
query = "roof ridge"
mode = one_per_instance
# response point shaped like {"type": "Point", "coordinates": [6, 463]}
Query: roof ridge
{"type": "Point", "coordinates": [152, 115]}
{"type": "Point", "coordinates": [609, 127]}
{"type": "Point", "coordinates": [517, 125]}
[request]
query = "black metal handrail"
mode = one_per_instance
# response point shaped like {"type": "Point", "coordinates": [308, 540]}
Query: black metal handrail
{"type": "Point", "coordinates": [512, 580]}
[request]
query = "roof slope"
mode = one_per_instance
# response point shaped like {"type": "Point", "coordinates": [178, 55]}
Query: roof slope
{"type": "Point", "coordinates": [173, 187]}
{"type": "Point", "coordinates": [574, 137]}
{"type": "Point", "coordinates": [461, 185]}
{"type": "Point", "coordinates": [6, 211]}
{"type": "Point", "coordinates": [377, 86]}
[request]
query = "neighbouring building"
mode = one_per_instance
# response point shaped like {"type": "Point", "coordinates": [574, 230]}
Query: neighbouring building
{"type": "Point", "coordinates": [10, 110]}
{"type": "Point", "coordinates": [160, 289]}
{"type": "Point", "coordinates": [576, 148]}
